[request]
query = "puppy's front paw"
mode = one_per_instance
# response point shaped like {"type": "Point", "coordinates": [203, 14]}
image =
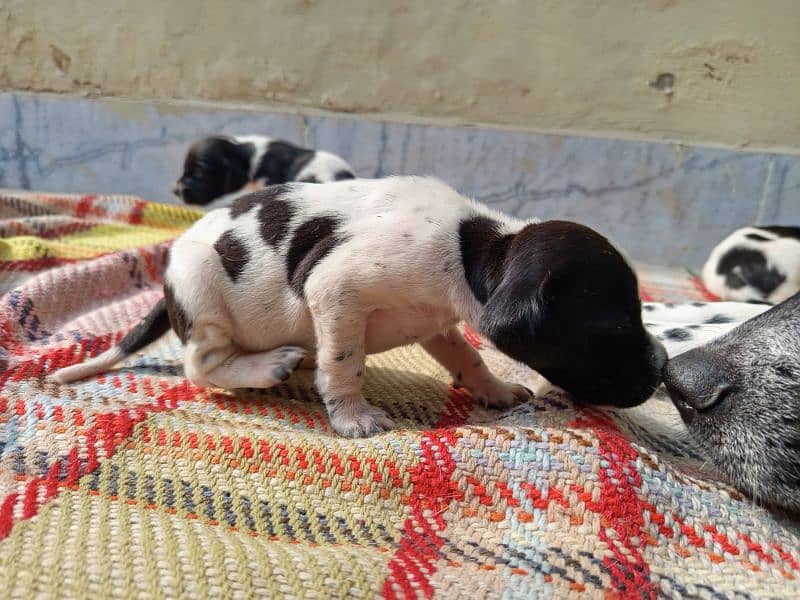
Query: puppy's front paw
{"type": "Point", "coordinates": [494, 393]}
{"type": "Point", "coordinates": [355, 417]}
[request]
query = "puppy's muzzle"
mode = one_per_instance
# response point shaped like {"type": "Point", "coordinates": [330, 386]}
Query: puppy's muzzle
{"type": "Point", "coordinates": [178, 190]}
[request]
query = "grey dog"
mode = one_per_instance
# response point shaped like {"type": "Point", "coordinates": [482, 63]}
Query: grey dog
{"type": "Point", "coordinates": [739, 396]}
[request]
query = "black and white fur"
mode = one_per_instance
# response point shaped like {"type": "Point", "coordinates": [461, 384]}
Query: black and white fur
{"type": "Point", "coordinates": [218, 169]}
{"type": "Point", "coordinates": [340, 270]}
{"type": "Point", "coordinates": [755, 264]}
{"type": "Point", "coordinates": [734, 375]}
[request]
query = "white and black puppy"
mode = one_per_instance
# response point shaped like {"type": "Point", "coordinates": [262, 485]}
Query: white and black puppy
{"type": "Point", "coordinates": [218, 168]}
{"type": "Point", "coordinates": [755, 264]}
{"type": "Point", "coordinates": [739, 392]}
{"type": "Point", "coordinates": [341, 270]}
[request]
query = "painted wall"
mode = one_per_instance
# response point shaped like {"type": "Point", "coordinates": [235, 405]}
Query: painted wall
{"type": "Point", "coordinates": [663, 203]}
{"type": "Point", "coordinates": [710, 72]}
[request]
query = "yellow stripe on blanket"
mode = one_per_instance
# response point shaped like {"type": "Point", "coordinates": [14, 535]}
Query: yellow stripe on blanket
{"type": "Point", "coordinates": [98, 240]}
{"type": "Point", "coordinates": [110, 238]}
{"type": "Point", "coordinates": [169, 216]}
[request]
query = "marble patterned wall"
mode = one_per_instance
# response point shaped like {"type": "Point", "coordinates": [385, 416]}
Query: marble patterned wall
{"type": "Point", "coordinates": [663, 203]}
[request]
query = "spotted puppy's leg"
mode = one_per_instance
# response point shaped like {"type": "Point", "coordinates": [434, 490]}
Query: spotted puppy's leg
{"type": "Point", "coordinates": [212, 360]}
{"type": "Point", "coordinates": [466, 366]}
{"type": "Point", "coordinates": [340, 328]}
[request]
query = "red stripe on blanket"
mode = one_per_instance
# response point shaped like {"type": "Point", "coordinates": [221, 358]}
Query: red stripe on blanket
{"type": "Point", "coordinates": [35, 264]}
{"type": "Point", "coordinates": [20, 228]}
{"type": "Point", "coordinates": [137, 212]}
{"type": "Point", "coordinates": [433, 489]}
{"type": "Point", "coordinates": [112, 429]}
{"type": "Point", "coordinates": [621, 510]}
{"type": "Point", "coordinates": [84, 206]}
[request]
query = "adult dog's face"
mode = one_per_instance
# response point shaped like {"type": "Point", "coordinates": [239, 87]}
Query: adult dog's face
{"type": "Point", "coordinates": [739, 396]}
{"type": "Point", "coordinates": [567, 305]}
{"type": "Point", "coordinates": [214, 166]}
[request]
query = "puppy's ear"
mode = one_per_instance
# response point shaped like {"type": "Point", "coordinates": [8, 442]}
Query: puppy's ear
{"type": "Point", "coordinates": [513, 315]}
{"type": "Point", "coordinates": [236, 165]}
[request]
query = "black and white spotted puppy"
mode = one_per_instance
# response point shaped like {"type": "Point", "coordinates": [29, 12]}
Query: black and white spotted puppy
{"type": "Point", "coordinates": [217, 169]}
{"type": "Point", "coordinates": [340, 270]}
{"type": "Point", "coordinates": [739, 391]}
{"type": "Point", "coordinates": [755, 264]}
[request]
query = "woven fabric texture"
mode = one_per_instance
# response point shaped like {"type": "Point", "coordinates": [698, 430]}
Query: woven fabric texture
{"type": "Point", "coordinates": [138, 484]}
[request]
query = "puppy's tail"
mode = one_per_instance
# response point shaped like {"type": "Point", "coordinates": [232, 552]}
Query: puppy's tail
{"type": "Point", "coordinates": [152, 327]}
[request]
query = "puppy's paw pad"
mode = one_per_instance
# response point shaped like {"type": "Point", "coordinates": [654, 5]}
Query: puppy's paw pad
{"type": "Point", "coordinates": [359, 420]}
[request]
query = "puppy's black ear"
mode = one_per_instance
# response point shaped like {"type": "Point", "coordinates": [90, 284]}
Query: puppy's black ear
{"type": "Point", "coordinates": [236, 164]}
{"type": "Point", "coordinates": [513, 315]}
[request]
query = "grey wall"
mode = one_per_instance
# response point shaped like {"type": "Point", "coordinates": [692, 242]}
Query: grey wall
{"type": "Point", "coordinates": [663, 203]}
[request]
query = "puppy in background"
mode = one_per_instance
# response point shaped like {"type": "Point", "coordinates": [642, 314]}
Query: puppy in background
{"type": "Point", "coordinates": [755, 264]}
{"type": "Point", "coordinates": [218, 169]}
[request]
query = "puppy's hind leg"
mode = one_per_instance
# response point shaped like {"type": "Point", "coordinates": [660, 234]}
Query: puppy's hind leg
{"type": "Point", "coordinates": [212, 360]}
{"type": "Point", "coordinates": [467, 368]}
{"type": "Point", "coordinates": [258, 369]}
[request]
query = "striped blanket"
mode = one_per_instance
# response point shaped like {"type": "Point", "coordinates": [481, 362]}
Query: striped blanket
{"type": "Point", "coordinates": [139, 484]}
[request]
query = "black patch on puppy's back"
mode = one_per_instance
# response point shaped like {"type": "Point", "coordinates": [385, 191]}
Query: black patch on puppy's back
{"type": "Point", "coordinates": [341, 175]}
{"type": "Point", "coordinates": [299, 163]}
{"type": "Point", "coordinates": [273, 219]}
{"type": "Point", "coordinates": [311, 242]}
{"type": "Point", "coordinates": [274, 216]}
{"type": "Point", "coordinates": [232, 253]}
{"type": "Point", "coordinates": [757, 237]}
{"type": "Point", "coordinates": [277, 165]}
{"type": "Point", "coordinates": [483, 254]}
{"type": "Point", "coordinates": [743, 266]}
{"type": "Point", "coordinates": [178, 318]}
{"type": "Point", "coordinates": [245, 203]}
{"type": "Point", "coordinates": [785, 231]}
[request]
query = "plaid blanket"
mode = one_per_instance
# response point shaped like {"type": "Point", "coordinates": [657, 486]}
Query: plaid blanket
{"type": "Point", "coordinates": [137, 483]}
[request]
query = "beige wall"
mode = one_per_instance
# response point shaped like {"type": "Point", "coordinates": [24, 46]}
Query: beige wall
{"type": "Point", "coordinates": [577, 65]}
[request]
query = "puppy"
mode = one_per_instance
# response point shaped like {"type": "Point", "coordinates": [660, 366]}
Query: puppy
{"type": "Point", "coordinates": [755, 264]}
{"type": "Point", "coordinates": [739, 393]}
{"type": "Point", "coordinates": [344, 269]}
{"type": "Point", "coordinates": [217, 169]}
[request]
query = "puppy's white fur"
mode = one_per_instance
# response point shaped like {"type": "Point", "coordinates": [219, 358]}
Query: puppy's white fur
{"type": "Point", "coordinates": [394, 277]}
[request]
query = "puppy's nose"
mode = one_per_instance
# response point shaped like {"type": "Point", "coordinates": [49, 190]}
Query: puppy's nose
{"type": "Point", "coordinates": [177, 189]}
{"type": "Point", "coordinates": [697, 382]}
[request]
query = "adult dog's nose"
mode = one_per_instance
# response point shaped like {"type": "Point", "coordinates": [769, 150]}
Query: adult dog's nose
{"type": "Point", "coordinates": [697, 382]}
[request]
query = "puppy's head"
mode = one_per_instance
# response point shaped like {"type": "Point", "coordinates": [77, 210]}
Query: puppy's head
{"type": "Point", "coordinates": [214, 166]}
{"type": "Point", "coordinates": [561, 299]}
{"type": "Point", "coordinates": [739, 396]}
